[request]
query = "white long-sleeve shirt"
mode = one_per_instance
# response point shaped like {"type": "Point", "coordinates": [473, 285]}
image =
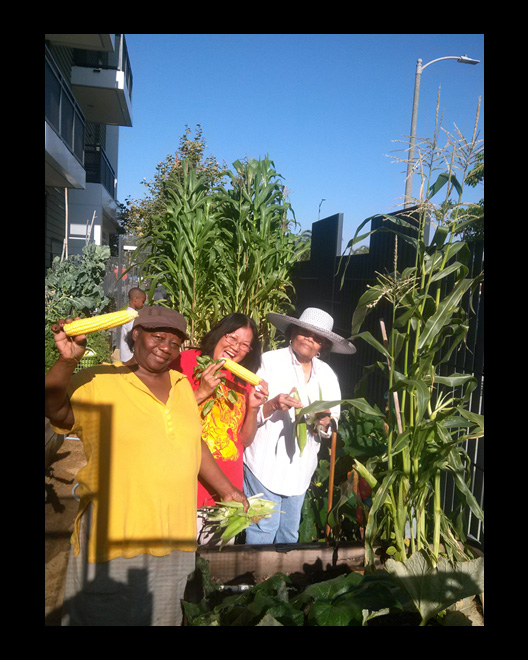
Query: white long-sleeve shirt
{"type": "Point", "coordinates": [124, 351]}
{"type": "Point", "coordinates": [273, 456]}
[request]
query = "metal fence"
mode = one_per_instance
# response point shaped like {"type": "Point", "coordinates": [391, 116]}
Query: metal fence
{"type": "Point", "coordinates": [122, 275]}
{"type": "Point", "coordinates": [318, 283]}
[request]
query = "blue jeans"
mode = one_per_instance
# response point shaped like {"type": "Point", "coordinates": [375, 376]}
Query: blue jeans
{"type": "Point", "coordinates": [281, 527]}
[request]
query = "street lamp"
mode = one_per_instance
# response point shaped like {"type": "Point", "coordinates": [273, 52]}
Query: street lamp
{"type": "Point", "coordinates": [462, 59]}
{"type": "Point", "coordinates": [319, 215]}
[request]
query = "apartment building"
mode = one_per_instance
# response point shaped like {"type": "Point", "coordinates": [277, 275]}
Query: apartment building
{"type": "Point", "coordinates": [88, 96]}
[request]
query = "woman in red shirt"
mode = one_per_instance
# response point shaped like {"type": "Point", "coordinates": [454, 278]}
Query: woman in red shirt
{"type": "Point", "coordinates": [230, 424]}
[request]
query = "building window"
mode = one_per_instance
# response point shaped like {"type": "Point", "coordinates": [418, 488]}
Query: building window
{"type": "Point", "coordinates": [62, 111]}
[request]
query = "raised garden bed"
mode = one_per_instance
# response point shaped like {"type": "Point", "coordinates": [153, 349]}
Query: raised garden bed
{"type": "Point", "coordinates": [251, 564]}
{"type": "Point", "coordinates": [314, 585]}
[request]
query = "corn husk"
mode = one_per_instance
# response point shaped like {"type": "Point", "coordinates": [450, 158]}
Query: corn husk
{"type": "Point", "coordinates": [229, 518]}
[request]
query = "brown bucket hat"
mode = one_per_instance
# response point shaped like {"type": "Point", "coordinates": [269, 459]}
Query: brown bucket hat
{"type": "Point", "coordinates": [161, 317]}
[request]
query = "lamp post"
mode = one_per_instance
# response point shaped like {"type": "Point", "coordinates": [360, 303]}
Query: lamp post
{"type": "Point", "coordinates": [463, 59]}
{"type": "Point", "coordinates": [319, 214]}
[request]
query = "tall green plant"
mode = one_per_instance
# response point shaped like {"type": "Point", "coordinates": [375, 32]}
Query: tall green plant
{"type": "Point", "coordinates": [263, 249]}
{"type": "Point", "coordinates": [138, 214]}
{"type": "Point", "coordinates": [184, 251]}
{"type": "Point", "coordinates": [232, 250]}
{"type": "Point", "coordinates": [428, 420]}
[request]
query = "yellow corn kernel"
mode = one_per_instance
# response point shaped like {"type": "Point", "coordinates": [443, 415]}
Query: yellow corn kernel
{"type": "Point", "coordinates": [101, 322]}
{"type": "Point", "coordinates": [241, 372]}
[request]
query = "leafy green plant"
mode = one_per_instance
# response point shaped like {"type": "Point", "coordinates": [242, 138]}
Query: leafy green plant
{"type": "Point", "coordinates": [74, 287]}
{"type": "Point", "coordinates": [415, 587]}
{"type": "Point", "coordinates": [427, 420]}
{"type": "Point", "coordinates": [433, 587]}
{"type": "Point", "coordinates": [263, 246]}
{"type": "Point", "coordinates": [231, 249]}
{"type": "Point", "coordinates": [342, 519]}
{"type": "Point", "coordinates": [182, 252]}
{"type": "Point", "coordinates": [359, 436]}
{"type": "Point", "coordinates": [138, 215]}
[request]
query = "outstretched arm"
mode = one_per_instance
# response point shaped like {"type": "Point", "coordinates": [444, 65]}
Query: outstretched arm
{"type": "Point", "coordinates": [57, 407]}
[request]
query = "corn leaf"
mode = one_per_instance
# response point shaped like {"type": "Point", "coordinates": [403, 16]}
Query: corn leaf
{"type": "Point", "coordinates": [445, 177]}
{"type": "Point", "coordinates": [445, 310]}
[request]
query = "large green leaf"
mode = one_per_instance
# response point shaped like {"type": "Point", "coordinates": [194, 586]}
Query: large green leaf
{"type": "Point", "coordinates": [361, 404]}
{"type": "Point", "coordinates": [376, 592]}
{"type": "Point", "coordinates": [328, 613]}
{"type": "Point", "coordinates": [454, 380]}
{"type": "Point", "coordinates": [446, 309]}
{"type": "Point", "coordinates": [370, 339]}
{"type": "Point", "coordinates": [433, 589]}
{"type": "Point", "coordinates": [441, 181]}
{"type": "Point", "coordinates": [418, 388]}
{"type": "Point", "coordinates": [453, 268]}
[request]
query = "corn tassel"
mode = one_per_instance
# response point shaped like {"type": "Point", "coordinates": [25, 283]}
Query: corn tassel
{"type": "Point", "coordinates": [241, 372]}
{"type": "Point", "coordinates": [101, 322]}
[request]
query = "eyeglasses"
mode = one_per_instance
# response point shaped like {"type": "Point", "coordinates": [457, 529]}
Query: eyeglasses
{"type": "Point", "coordinates": [233, 341]}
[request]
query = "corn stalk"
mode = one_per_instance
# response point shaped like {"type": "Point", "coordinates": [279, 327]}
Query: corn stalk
{"type": "Point", "coordinates": [183, 251]}
{"type": "Point", "coordinates": [230, 251]}
{"type": "Point", "coordinates": [427, 420]}
{"type": "Point", "coordinates": [263, 249]}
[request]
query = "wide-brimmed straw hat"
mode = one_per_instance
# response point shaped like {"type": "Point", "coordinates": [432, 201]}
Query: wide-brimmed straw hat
{"type": "Point", "coordinates": [317, 321]}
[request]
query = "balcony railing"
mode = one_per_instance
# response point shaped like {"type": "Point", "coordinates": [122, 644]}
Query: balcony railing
{"type": "Point", "coordinates": [99, 170]}
{"type": "Point", "coordinates": [62, 111]}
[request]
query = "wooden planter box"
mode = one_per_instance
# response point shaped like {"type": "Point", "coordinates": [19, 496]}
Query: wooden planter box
{"type": "Point", "coordinates": [241, 566]}
{"type": "Point", "coordinates": [251, 564]}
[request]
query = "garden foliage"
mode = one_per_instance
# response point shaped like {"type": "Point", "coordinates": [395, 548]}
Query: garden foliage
{"type": "Point", "coordinates": [230, 249]}
{"type": "Point", "coordinates": [415, 588]}
{"type": "Point", "coordinates": [428, 420]}
{"type": "Point", "coordinates": [74, 287]}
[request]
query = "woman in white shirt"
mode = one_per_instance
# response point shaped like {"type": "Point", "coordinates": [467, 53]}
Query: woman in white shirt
{"type": "Point", "coordinates": [272, 463]}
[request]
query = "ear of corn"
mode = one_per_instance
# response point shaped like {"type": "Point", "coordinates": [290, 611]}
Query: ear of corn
{"type": "Point", "coordinates": [241, 372]}
{"type": "Point", "coordinates": [301, 435]}
{"type": "Point", "coordinates": [101, 322]}
{"type": "Point", "coordinates": [300, 425]}
{"type": "Point", "coordinates": [227, 519]}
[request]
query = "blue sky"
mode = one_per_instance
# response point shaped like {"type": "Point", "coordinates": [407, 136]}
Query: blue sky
{"type": "Point", "coordinates": [330, 110]}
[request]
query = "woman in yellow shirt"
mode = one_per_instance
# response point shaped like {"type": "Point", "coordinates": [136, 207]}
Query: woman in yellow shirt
{"type": "Point", "coordinates": [134, 539]}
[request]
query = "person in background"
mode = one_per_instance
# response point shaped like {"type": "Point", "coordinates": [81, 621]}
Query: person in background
{"type": "Point", "coordinates": [273, 464]}
{"type": "Point", "coordinates": [136, 300]}
{"type": "Point", "coordinates": [228, 426]}
{"type": "Point", "coordinates": [134, 538]}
